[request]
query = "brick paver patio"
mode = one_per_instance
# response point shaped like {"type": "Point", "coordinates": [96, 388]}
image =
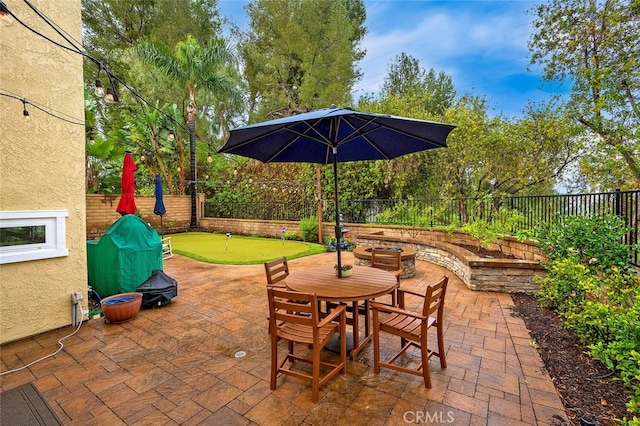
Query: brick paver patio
{"type": "Point", "coordinates": [177, 364]}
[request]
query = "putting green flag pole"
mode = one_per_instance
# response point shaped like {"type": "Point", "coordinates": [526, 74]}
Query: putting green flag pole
{"type": "Point", "coordinates": [226, 247]}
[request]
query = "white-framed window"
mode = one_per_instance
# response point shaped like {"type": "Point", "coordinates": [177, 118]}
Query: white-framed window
{"type": "Point", "coordinates": [31, 235]}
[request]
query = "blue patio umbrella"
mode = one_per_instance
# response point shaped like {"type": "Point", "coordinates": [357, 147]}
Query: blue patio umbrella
{"type": "Point", "coordinates": [333, 135]}
{"type": "Point", "coordinates": [159, 207]}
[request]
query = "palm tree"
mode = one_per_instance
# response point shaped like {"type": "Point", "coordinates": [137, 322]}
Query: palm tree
{"type": "Point", "coordinates": [211, 68]}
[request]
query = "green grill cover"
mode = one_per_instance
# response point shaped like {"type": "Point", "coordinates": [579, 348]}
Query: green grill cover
{"type": "Point", "coordinates": [124, 257]}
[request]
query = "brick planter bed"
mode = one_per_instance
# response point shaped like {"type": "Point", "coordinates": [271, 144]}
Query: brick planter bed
{"type": "Point", "coordinates": [503, 275]}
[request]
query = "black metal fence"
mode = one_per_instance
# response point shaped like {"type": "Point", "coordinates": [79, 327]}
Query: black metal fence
{"type": "Point", "coordinates": [531, 210]}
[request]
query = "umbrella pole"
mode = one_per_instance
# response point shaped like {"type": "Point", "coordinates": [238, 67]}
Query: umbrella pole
{"type": "Point", "coordinates": [335, 191]}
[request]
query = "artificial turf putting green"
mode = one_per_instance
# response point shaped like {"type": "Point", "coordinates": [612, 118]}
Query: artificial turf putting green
{"type": "Point", "coordinates": [239, 250]}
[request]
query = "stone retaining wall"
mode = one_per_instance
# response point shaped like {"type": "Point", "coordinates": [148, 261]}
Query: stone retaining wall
{"type": "Point", "coordinates": [437, 246]}
{"type": "Point", "coordinates": [503, 275]}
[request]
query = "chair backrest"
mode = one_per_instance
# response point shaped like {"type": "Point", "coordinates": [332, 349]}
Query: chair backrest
{"type": "Point", "coordinates": [292, 307]}
{"type": "Point", "coordinates": [387, 259]}
{"type": "Point", "coordinates": [434, 298]}
{"type": "Point", "coordinates": [277, 270]}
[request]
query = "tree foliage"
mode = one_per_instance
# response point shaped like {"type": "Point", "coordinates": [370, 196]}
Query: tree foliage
{"type": "Point", "coordinates": [211, 69]}
{"type": "Point", "coordinates": [594, 45]}
{"type": "Point", "coordinates": [112, 32]}
{"type": "Point", "coordinates": [492, 156]}
{"type": "Point", "coordinates": [300, 55]}
{"type": "Point", "coordinates": [117, 25]}
{"type": "Point", "coordinates": [405, 78]}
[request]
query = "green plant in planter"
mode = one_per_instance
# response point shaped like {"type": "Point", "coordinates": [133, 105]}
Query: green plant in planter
{"type": "Point", "coordinates": [493, 232]}
{"type": "Point", "coordinates": [345, 267]}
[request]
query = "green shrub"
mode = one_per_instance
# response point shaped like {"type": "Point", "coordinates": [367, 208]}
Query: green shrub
{"type": "Point", "coordinates": [596, 241]}
{"type": "Point", "coordinates": [621, 352]}
{"type": "Point", "coordinates": [309, 229]}
{"type": "Point", "coordinates": [594, 290]}
{"type": "Point", "coordinates": [563, 287]}
{"type": "Point", "coordinates": [291, 236]}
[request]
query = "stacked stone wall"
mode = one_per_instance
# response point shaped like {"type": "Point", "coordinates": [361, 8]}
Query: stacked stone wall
{"type": "Point", "coordinates": [480, 274]}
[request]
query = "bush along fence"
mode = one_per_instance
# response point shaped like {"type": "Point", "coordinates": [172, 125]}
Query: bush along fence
{"type": "Point", "coordinates": [595, 292]}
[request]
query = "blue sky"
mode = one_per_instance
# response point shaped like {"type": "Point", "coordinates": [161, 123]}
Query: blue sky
{"type": "Point", "coordinates": [482, 45]}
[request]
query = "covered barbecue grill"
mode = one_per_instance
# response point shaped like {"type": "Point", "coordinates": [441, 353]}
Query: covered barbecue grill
{"type": "Point", "coordinates": [158, 289]}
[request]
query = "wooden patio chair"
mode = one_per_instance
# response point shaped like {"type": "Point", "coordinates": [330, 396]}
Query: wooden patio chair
{"type": "Point", "coordinates": [277, 270]}
{"type": "Point", "coordinates": [412, 328]}
{"type": "Point", "coordinates": [298, 321]}
{"type": "Point", "coordinates": [390, 260]}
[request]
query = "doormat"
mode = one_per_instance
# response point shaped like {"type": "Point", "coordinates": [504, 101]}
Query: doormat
{"type": "Point", "coordinates": [25, 406]}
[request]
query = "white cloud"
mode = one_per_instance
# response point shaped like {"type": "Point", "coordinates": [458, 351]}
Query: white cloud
{"type": "Point", "coordinates": [474, 42]}
{"type": "Point", "coordinates": [481, 44]}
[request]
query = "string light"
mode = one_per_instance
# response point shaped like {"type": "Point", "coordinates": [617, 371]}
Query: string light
{"type": "Point", "coordinates": [25, 113]}
{"type": "Point", "coordinates": [172, 135]}
{"type": "Point", "coordinates": [44, 109]}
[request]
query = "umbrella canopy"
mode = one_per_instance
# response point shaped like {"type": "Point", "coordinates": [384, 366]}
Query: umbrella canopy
{"type": "Point", "coordinates": [159, 208]}
{"type": "Point", "coordinates": [127, 204]}
{"type": "Point", "coordinates": [334, 135]}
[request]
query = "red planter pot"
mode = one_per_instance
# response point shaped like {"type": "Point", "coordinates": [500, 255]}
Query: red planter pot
{"type": "Point", "coordinates": [122, 307]}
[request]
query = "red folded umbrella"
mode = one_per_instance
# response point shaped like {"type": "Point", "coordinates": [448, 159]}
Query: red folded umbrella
{"type": "Point", "coordinates": [127, 204]}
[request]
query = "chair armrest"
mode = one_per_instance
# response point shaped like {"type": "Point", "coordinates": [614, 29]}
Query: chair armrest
{"type": "Point", "coordinates": [277, 285]}
{"type": "Point", "coordinates": [340, 310]}
{"type": "Point", "coordinates": [402, 290]}
{"type": "Point", "coordinates": [393, 310]}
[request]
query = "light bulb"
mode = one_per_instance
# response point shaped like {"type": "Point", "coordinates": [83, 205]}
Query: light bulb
{"type": "Point", "coordinates": [171, 136]}
{"type": "Point", "coordinates": [209, 159]}
{"type": "Point", "coordinates": [5, 16]}
{"type": "Point", "coordinates": [99, 89]}
{"type": "Point", "coordinates": [25, 113]}
{"type": "Point", "coordinates": [109, 97]}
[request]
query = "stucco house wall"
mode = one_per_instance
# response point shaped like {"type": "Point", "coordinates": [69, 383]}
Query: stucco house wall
{"type": "Point", "coordinates": [42, 164]}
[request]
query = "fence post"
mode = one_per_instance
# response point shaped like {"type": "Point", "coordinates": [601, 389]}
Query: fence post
{"type": "Point", "coordinates": [618, 202]}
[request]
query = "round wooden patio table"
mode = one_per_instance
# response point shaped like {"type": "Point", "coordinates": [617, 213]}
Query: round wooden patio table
{"type": "Point", "coordinates": [365, 283]}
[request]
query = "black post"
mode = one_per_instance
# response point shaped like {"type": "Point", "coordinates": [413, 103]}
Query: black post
{"type": "Point", "coordinates": [338, 231]}
{"type": "Point", "coordinates": [192, 151]}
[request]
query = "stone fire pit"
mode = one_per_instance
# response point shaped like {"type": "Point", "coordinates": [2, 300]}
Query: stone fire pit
{"type": "Point", "coordinates": [362, 257]}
